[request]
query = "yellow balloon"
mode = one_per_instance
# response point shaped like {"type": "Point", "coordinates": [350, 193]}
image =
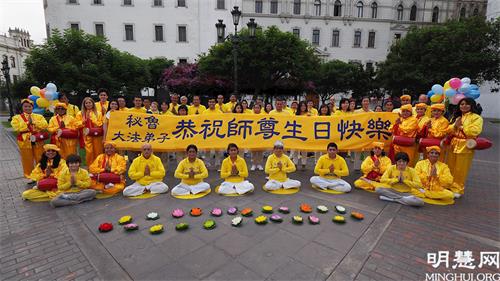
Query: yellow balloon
{"type": "Point", "coordinates": [34, 90]}
{"type": "Point", "coordinates": [434, 98]}
{"type": "Point", "coordinates": [447, 84]}
{"type": "Point", "coordinates": [42, 102]}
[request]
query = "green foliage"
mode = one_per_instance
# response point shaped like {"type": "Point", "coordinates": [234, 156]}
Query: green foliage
{"type": "Point", "coordinates": [156, 68]}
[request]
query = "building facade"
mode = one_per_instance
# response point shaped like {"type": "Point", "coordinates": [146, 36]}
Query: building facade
{"type": "Point", "coordinates": [15, 47]}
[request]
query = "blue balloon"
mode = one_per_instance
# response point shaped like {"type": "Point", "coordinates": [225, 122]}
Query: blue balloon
{"type": "Point", "coordinates": [39, 110]}
{"type": "Point", "coordinates": [465, 88]}
{"type": "Point", "coordinates": [51, 87]}
{"type": "Point", "coordinates": [450, 92]}
{"type": "Point", "coordinates": [33, 98]}
{"type": "Point", "coordinates": [430, 93]}
{"type": "Point", "coordinates": [474, 87]}
{"type": "Point", "coordinates": [473, 94]}
{"type": "Point", "coordinates": [437, 89]}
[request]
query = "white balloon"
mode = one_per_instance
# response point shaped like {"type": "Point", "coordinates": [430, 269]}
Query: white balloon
{"type": "Point", "coordinates": [466, 80]}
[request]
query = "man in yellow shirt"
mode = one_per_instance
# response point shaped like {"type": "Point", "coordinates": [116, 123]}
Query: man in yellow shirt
{"type": "Point", "coordinates": [405, 99]}
{"type": "Point", "coordinates": [196, 107]}
{"type": "Point", "coordinates": [148, 172]}
{"type": "Point", "coordinates": [102, 105]}
{"type": "Point", "coordinates": [280, 103]}
{"type": "Point", "coordinates": [311, 109]}
{"type": "Point", "coordinates": [230, 105]}
{"type": "Point", "coordinates": [191, 171]}
{"type": "Point", "coordinates": [220, 104]}
{"type": "Point", "coordinates": [278, 166]}
{"type": "Point", "coordinates": [122, 103]}
{"type": "Point", "coordinates": [174, 103]}
{"type": "Point", "coordinates": [330, 168]}
{"type": "Point", "coordinates": [109, 162]}
{"type": "Point", "coordinates": [423, 99]}
{"type": "Point", "coordinates": [59, 122]}
{"type": "Point", "coordinates": [138, 108]}
{"type": "Point", "coordinates": [234, 171]}
{"type": "Point", "coordinates": [212, 108]}
{"type": "Point", "coordinates": [72, 110]}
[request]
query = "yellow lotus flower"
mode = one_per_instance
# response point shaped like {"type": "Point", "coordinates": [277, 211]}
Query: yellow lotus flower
{"type": "Point", "coordinates": [267, 209]}
{"type": "Point", "coordinates": [125, 220]}
{"type": "Point", "coordinates": [157, 228]}
{"type": "Point", "coordinates": [261, 219]}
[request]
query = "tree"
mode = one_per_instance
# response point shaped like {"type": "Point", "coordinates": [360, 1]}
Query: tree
{"type": "Point", "coordinates": [432, 55]}
{"type": "Point", "coordinates": [270, 62]}
{"type": "Point", "coordinates": [156, 68]}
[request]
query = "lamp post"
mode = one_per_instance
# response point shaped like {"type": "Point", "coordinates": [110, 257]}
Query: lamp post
{"type": "Point", "coordinates": [221, 31]}
{"type": "Point", "coordinates": [6, 75]}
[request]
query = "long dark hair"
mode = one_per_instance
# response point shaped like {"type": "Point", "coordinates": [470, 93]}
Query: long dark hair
{"type": "Point", "coordinates": [45, 159]}
{"type": "Point", "coordinates": [342, 101]}
{"type": "Point", "coordinates": [469, 101]}
{"type": "Point", "coordinates": [327, 110]}
{"type": "Point", "coordinates": [299, 106]}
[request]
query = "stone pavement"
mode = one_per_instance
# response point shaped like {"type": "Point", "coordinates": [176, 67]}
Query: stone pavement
{"type": "Point", "coordinates": [40, 243]}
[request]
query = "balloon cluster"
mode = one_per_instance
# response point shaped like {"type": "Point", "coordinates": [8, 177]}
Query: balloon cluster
{"type": "Point", "coordinates": [455, 90]}
{"type": "Point", "coordinates": [44, 98]}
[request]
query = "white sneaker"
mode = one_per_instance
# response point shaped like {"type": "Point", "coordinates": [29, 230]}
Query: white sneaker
{"type": "Point", "coordinates": [252, 168]}
{"type": "Point", "coordinates": [457, 195]}
{"type": "Point", "coordinates": [260, 167]}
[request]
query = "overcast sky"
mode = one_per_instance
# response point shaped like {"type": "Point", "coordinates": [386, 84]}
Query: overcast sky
{"type": "Point", "coordinates": [25, 14]}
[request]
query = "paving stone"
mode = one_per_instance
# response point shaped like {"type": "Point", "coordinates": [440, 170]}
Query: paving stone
{"type": "Point", "coordinates": [318, 256]}
{"type": "Point", "coordinates": [294, 270]}
{"type": "Point", "coordinates": [234, 271]}
{"type": "Point", "coordinates": [234, 243]}
{"type": "Point", "coordinates": [204, 261]}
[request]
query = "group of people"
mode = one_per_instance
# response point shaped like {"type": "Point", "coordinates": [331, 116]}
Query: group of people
{"type": "Point", "coordinates": [438, 178]}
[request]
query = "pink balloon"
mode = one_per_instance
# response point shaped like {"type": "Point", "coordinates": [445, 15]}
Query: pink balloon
{"type": "Point", "coordinates": [455, 83]}
{"type": "Point", "coordinates": [457, 98]}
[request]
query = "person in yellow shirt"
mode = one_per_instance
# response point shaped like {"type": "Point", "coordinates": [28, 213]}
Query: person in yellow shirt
{"type": "Point", "coordinates": [49, 166]}
{"type": "Point", "coordinates": [238, 108]}
{"type": "Point", "coordinates": [220, 103]}
{"type": "Point", "coordinates": [406, 126]}
{"type": "Point", "coordinates": [147, 172]}
{"type": "Point", "coordinates": [437, 126]}
{"type": "Point", "coordinates": [405, 99]}
{"type": "Point", "coordinates": [73, 184]}
{"type": "Point", "coordinates": [72, 110]}
{"type": "Point", "coordinates": [329, 169]}
{"type": "Point", "coordinates": [388, 105]}
{"type": "Point", "coordinates": [212, 110]}
{"type": "Point", "coordinates": [268, 108]}
{"type": "Point", "coordinates": [324, 110]}
{"type": "Point", "coordinates": [108, 162]}
{"type": "Point", "coordinates": [425, 100]}
{"type": "Point", "coordinates": [138, 108]}
{"type": "Point", "coordinates": [164, 108]}
{"type": "Point", "coordinates": [311, 109]}
{"type": "Point", "coordinates": [400, 183]}
{"type": "Point", "coordinates": [196, 107]}
{"type": "Point", "coordinates": [278, 166]}
{"type": "Point", "coordinates": [234, 171]}
{"type": "Point", "coordinates": [279, 110]}
{"type": "Point", "coordinates": [154, 108]}
{"type": "Point", "coordinates": [365, 106]}
{"type": "Point", "coordinates": [257, 155]}
{"type": "Point", "coordinates": [343, 108]}
{"type": "Point", "coordinates": [293, 106]}
{"type": "Point", "coordinates": [373, 168]}
{"type": "Point", "coordinates": [422, 121]}
{"type": "Point", "coordinates": [59, 122]}
{"type": "Point", "coordinates": [246, 110]}
{"type": "Point", "coordinates": [91, 119]}
{"type": "Point", "coordinates": [468, 124]}
{"type": "Point", "coordinates": [146, 102]}
{"type": "Point", "coordinates": [27, 124]}
{"type": "Point", "coordinates": [435, 177]}
{"type": "Point", "coordinates": [191, 171]}
{"type": "Point", "coordinates": [229, 106]}
{"type": "Point", "coordinates": [102, 105]}
{"type": "Point", "coordinates": [113, 106]}
{"type": "Point", "coordinates": [174, 103]}
{"type": "Point", "coordinates": [122, 104]}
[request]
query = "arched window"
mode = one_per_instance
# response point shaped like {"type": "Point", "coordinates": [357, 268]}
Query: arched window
{"type": "Point", "coordinates": [400, 12]}
{"type": "Point", "coordinates": [435, 14]}
{"type": "Point", "coordinates": [374, 10]}
{"type": "Point", "coordinates": [317, 7]}
{"type": "Point", "coordinates": [337, 9]}
{"type": "Point", "coordinates": [475, 12]}
{"type": "Point", "coordinates": [413, 13]}
{"type": "Point", "coordinates": [359, 6]}
{"type": "Point", "coordinates": [462, 13]}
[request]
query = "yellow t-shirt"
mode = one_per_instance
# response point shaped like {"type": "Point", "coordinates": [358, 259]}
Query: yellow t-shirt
{"type": "Point", "coordinates": [198, 166]}
{"type": "Point", "coordinates": [323, 167]}
{"type": "Point", "coordinates": [276, 173]}
{"type": "Point", "coordinates": [226, 168]}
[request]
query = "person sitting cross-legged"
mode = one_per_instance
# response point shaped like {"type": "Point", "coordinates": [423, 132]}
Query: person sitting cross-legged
{"type": "Point", "coordinates": [191, 171]}
{"type": "Point", "coordinates": [330, 168]}
{"type": "Point", "coordinates": [373, 167]}
{"type": "Point", "coordinates": [234, 170]}
{"type": "Point", "coordinates": [278, 166]}
{"type": "Point", "coordinates": [106, 166]}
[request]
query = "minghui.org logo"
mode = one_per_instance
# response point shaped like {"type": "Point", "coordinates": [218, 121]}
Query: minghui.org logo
{"type": "Point", "coordinates": [464, 259]}
{"type": "Point", "coordinates": [471, 276]}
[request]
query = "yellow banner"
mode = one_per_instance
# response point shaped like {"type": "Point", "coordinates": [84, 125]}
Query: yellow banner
{"type": "Point", "coordinates": [248, 131]}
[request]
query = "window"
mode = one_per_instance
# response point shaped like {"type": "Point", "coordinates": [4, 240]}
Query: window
{"type": "Point", "coordinates": [462, 13]}
{"type": "Point", "coordinates": [435, 14]}
{"type": "Point", "coordinates": [183, 61]}
{"type": "Point", "coordinates": [413, 13]}
{"type": "Point", "coordinates": [75, 26]}
{"type": "Point", "coordinates": [72, 2]}
{"type": "Point", "coordinates": [99, 29]}
{"type": "Point", "coordinates": [221, 4]}
{"type": "Point", "coordinates": [129, 32]}
{"type": "Point", "coordinates": [15, 78]}
{"type": "Point", "coordinates": [181, 3]}
{"type": "Point", "coordinates": [47, 29]}
{"type": "Point", "coordinates": [258, 6]}
{"type": "Point", "coordinates": [337, 9]}
{"type": "Point", "coordinates": [400, 12]}
{"type": "Point", "coordinates": [374, 10]}
{"type": "Point", "coordinates": [274, 7]}
{"type": "Point", "coordinates": [182, 34]}
{"type": "Point", "coordinates": [475, 12]}
{"type": "Point", "coordinates": [158, 3]}
{"type": "Point", "coordinates": [335, 38]}
{"type": "Point", "coordinates": [296, 7]}
{"type": "Point", "coordinates": [359, 6]}
{"type": "Point", "coordinates": [317, 7]}
{"type": "Point", "coordinates": [296, 32]}
{"type": "Point", "coordinates": [397, 36]}
{"type": "Point", "coordinates": [371, 39]}
{"type": "Point", "coordinates": [127, 2]}
{"type": "Point", "coordinates": [12, 62]}
{"type": "Point", "coordinates": [97, 2]}
{"type": "Point", "coordinates": [159, 33]}
{"type": "Point", "coordinates": [357, 39]}
{"type": "Point", "coordinates": [369, 66]}
{"type": "Point", "coordinates": [315, 38]}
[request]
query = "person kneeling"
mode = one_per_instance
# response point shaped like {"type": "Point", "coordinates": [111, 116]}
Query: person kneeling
{"type": "Point", "coordinates": [436, 177]}
{"type": "Point", "coordinates": [148, 172]}
{"type": "Point", "coordinates": [234, 171]}
{"type": "Point", "coordinates": [400, 183]}
{"type": "Point", "coordinates": [191, 171]}
{"type": "Point", "coordinates": [73, 185]}
{"type": "Point", "coordinates": [330, 168]}
{"type": "Point", "coordinates": [108, 170]}
{"type": "Point", "coordinates": [373, 168]}
{"type": "Point", "coordinates": [278, 165]}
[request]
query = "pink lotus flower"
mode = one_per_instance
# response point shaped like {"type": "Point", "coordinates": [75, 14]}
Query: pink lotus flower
{"type": "Point", "coordinates": [178, 213]}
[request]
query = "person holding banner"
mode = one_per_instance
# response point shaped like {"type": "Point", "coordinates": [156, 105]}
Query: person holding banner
{"type": "Point", "coordinates": [108, 170]}
{"type": "Point", "coordinates": [437, 127]}
{"type": "Point", "coordinates": [102, 105]}
{"type": "Point", "coordinates": [373, 168]}
{"type": "Point", "coordinates": [64, 130]}
{"type": "Point", "coordinates": [234, 171]}
{"type": "Point", "coordinates": [311, 109]}
{"type": "Point", "coordinates": [148, 172]}
{"type": "Point", "coordinates": [45, 174]}
{"type": "Point", "coordinates": [174, 103]}
{"type": "Point", "coordinates": [138, 108]}
{"type": "Point", "coordinates": [230, 105]}
{"type": "Point", "coordinates": [90, 123]}
{"type": "Point", "coordinates": [164, 108]}
{"type": "Point", "coordinates": [280, 110]}
{"type": "Point", "coordinates": [278, 166]}
{"type": "Point", "coordinates": [246, 110]}
{"type": "Point", "coordinates": [196, 107]}
{"type": "Point", "coordinates": [365, 106]}
{"type": "Point", "coordinates": [29, 127]}
{"type": "Point", "coordinates": [330, 168]}
{"type": "Point", "coordinates": [268, 108]}
{"type": "Point", "coordinates": [324, 110]}
{"type": "Point", "coordinates": [122, 103]}
{"type": "Point", "coordinates": [388, 105]}
{"type": "Point", "coordinates": [220, 104]}
{"type": "Point", "coordinates": [404, 131]}
{"type": "Point", "coordinates": [467, 125]}
{"type": "Point", "coordinates": [113, 106]}
{"type": "Point", "coordinates": [343, 108]}
{"type": "Point", "coordinates": [191, 171]}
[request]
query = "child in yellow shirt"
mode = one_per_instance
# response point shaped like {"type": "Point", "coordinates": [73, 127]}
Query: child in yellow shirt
{"type": "Point", "coordinates": [330, 168]}
{"type": "Point", "coordinates": [191, 171]}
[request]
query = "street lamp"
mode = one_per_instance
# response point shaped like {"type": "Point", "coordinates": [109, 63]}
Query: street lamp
{"type": "Point", "coordinates": [6, 75]}
{"type": "Point", "coordinates": [221, 32]}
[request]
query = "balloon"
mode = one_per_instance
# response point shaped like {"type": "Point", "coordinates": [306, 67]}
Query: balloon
{"type": "Point", "coordinates": [474, 87]}
{"type": "Point", "coordinates": [39, 110]}
{"type": "Point", "coordinates": [42, 92]}
{"type": "Point", "coordinates": [457, 98]}
{"type": "Point", "coordinates": [33, 98]}
{"type": "Point", "coordinates": [446, 85]}
{"type": "Point", "coordinates": [34, 90]}
{"type": "Point", "coordinates": [473, 94]}
{"type": "Point", "coordinates": [465, 88]}
{"type": "Point", "coordinates": [437, 89]}
{"type": "Point", "coordinates": [42, 102]}
{"type": "Point", "coordinates": [466, 80]}
{"type": "Point", "coordinates": [51, 87]}
{"type": "Point", "coordinates": [455, 83]}
{"type": "Point", "coordinates": [450, 92]}
{"type": "Point", "coordinates": [430, 93]}
{"type": "Point", "coordinates": [51, 96]}
{"type": "Point", "coordinates": [436, 98]}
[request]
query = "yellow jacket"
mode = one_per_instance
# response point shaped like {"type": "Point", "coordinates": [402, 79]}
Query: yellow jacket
{"type": "Point", "coordinates": [182, 171]}
{"type": "Point", "coordinates": [18, 124]}
{"type": "Point", "coordinates": [422, 122]}
{"type": "Point", "coordinates": [137, 110]}
{"type": "Point", "coordinates": [436, 183]}
{"type": "Point", "coordinates": [156, 169]}
{"type": "Point", "coordinates": [39, 174]}
{"type": "Point", "coordinates": [211, 112]}
{"type": "Point", "coordinates": [100, 109]}
{"type": "Point", "coordinates": [472, 126]}
{"type": "Point", "coordinates": [117, 163]}
{"type": "Point", "coordinates": [168, 112]}
{"type": "Point", "coordinates": [282, 112]}
{"type": "Point", "coordinates": [193, 110]}
{"type": "Point", "coordinates": [222, 107]}
{"type": "Point", "coordinates": [72, 110]}
{"type": "Point", "coordinates": [276, 173]}
{"type": "Point", "coordinates": [69, 123]}
{"type": "Point", "coordinates": [361, 110]}
{"type": "Point", "coordinates": [427, 113]}
{"type": "Point", "coordinates": [322, 168]}
{"type": "Point", "coordinates": [229, 106]}
{"type": "Point", "coordinates": [439, 127]}
{"type": "Point", "coordinates": [341, 113]}
{"type": "Point", "coordinates": [368, 165]}
{"type": "Point", "coordinates": [64, 181]}
{"type": "Point", "coordinates": [407, 128]}
{"type": "Point", "coordinates": [227, 166]}
{"type": "Point", "coordinates": [313, 112]}
{"type": "Point", "coordinates": [96, 119]}
{"type": "Point", "coordinates": [174, 109]}
{"type": "Point", "coordinates": [410, 178]}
